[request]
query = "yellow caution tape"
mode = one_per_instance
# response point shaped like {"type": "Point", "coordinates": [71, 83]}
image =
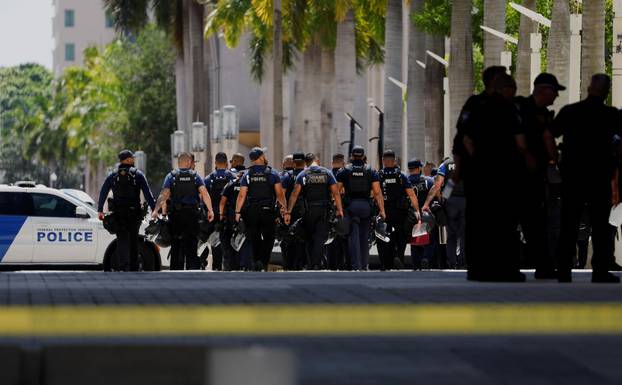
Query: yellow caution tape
{"type": "Point", "coordinates": [312, 320]}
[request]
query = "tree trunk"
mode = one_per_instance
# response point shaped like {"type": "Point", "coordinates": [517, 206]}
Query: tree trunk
{"type": "Point", "coordinates": [523, 78]}
{"type": "Point", "coordinates": [345, 78]}
{"type": "Point", "coordinates": [558, 48]}
{"type": "Point", "coordinates": [593, 42]}
{"type": "Point", "coordinates": [188, 69]}
{"type": "Point", "coordinates": [460, 59]}
{"type": "Point", "coordinates": [433, 101]}
{"type": "Point", "coordinates": [416, 81]}
{"type": "Point", "coordinates": [393, 68]}
{"type": "Point", "coordinates": [308, 93]}
{"type": "Point", "coordinates": [277, 80]}
{"type": "Point", "coordinates": [494, 17]}
{"type": "Point", "coordinates": [327, 104]}
{"type": "Point", "coordinates": [266, 115]}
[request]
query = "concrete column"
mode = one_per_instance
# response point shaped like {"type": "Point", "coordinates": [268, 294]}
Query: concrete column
{"type": "Point", "coordinates": [447, 139]}
{"type": "Point", "coordinates": [506, 61]}
{"type": "Point", "coordinates": [574, 72]}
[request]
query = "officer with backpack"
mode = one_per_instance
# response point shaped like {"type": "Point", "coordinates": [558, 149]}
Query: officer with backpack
{"type": "Point", "coordinates": [319, 189]}
{"type": "Point", "coordinates": [260, 190]}
{"type": "Point", "coordinates": [215, 183]}
{"type": "Point", "coordinates": [126, 183]}
{"type": "Point", "coordinates": [399, 198]}
{"type": "Point", "coordinates": [360, 182]}
{"type": "Point", "coordinates": [421, 255]}
{"type": "Point", "coordinates": [237, 259]}
{"type": "Point", "coordinates": [185, 189]}
{"type": "Point", "coordinates": [294, 257]}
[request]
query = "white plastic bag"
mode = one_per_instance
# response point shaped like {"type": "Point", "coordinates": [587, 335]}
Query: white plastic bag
{"type": "Point", "coordinates": [615, 217]}
{"type": "Point", "coordinates": [419, 229]}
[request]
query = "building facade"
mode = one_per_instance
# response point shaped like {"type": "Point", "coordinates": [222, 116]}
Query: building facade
{"type": "Point", "coordinates": [76, 25]}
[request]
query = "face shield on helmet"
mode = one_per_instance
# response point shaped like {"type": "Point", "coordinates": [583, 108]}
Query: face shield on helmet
{"type": "Point", "coordinates": [382, 231]}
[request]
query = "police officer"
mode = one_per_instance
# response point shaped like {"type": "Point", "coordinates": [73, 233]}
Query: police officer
{"type": "Point", "coordinates": [237, 259]}
{"type": "Point", "coordinates": [185, 189]}
{"type": "Point", "coordinates": [399, 197]}
{"type": "Point", "coordinates": [337, 256]}
{"type": "Point", "coordinates": [294, 257]}
{"type": "Point", "coordinates": [536, 119]}
{"type": "Point", "coordinates": [126, 183]}
{"type": "Point", "coordinates": [237, 161]}
{"type": "Point", "coordinates": [319, 189]}
{"type": "Point", "coordinates": [260, 189]}
{"type": "Point", "coordinates": [421, 185]}
{"type": "Point", "coordinates": [360, 182]}
{"type": "Point", "coordinates": [589, 129]}
{"type": "Point", "coordinates": [288, 165]}
{"type": "Point", "coordinates": [215, 182]}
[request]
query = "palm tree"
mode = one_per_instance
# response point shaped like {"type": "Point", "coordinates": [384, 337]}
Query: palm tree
{"type": "Point", "coordinates": [393, 68]}
{"type": "Point", "coordinates": [558, 48]}
{"type": "Point", "coordinates": [277, 80]}
{"type": "Point", "coordinates": [433, 104]}
{"type": "Point", "coordinates": [416, 81]}
{"type": "Point", "coordinates": [345, 78]}
{"type": "Point", "coordinates": [460, 59]}
{"type": "Point", "coordinates": [494, 17]}
{"type": "Point", "coordinates": [593, 42]}
{"type": "Point", "coordinates": [523, 63]}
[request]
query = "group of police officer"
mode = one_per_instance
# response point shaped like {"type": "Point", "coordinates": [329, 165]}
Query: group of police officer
{"type": "Point", "coordinates": [506, 179]}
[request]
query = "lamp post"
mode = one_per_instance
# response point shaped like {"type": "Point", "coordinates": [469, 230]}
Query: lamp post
{"type": "Point", "coordinates": [230, 129]}
{"type": "Point", "coordinates": [506, 56]}
{"type": "Point", "coordinates": [216, 137]}
{"type": "Point", "coordinates": [535, 40]}
{"type": "Point", "coordinates": [140, 161]}
{"type": "Point", "coordinates": [380, 137]}
{"type": "Point", "coordinates": [446, 113]}
{"type": "Point", "coordinates": [353, 125]}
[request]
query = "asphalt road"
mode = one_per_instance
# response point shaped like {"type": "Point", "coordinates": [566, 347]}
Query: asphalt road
{"type": "Point", "coordinates": [343, 328]}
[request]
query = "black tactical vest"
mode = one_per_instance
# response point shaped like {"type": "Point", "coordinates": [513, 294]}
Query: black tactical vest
{"type": "Point", "coordinates": [217, 184]}
{"type": "Point", "coordinates": [293, 174]}
{"type": "Point", "coordinates": [315, 186]}
{"type": "Point", "coordinates": [359, 182]}
{"type": "Point", "coordinates": [184, 185]}
{"type": "Point", "coordinates": [124, 187]}
{"type": "Point", "coordinates": [260, 191]}
{"type": "Point", "coordinates": [421, 190]}
{"type": "Point", "coordinates": [392, 187]}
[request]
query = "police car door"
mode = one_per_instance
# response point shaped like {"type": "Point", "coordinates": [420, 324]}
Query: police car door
{"type": "Point", "coordinates": [16, 238]}
{"type": "Point", "coordinates": [61, 237]}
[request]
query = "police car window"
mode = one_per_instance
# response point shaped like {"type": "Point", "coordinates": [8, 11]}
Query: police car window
{"type": "Point", "coordinates": [15, 203]}
{"type": "Point", "coordinates": [46, 205]}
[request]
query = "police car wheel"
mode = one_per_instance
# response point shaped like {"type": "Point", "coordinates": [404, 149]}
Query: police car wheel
{"type": "Point", "coordinates": [148, 258]}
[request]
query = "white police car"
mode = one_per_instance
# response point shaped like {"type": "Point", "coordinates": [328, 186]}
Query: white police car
{"type": "Point", "coordinates": [45, 226]}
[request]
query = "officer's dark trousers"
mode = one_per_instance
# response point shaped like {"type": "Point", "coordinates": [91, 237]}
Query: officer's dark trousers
{"type": "Point", "coordinates": [295, 257]}
{"type": "Point", "coordinates": [127, 241]}
{"type": "Point", "coordinates": [533, 221]}
{"type": "Point", "coordinates": [597, 199]}
{"type": "Point", "coordinates": [260, 225]}
{"type": "Point", "coordinates": [359, 212]}
{"type": "Point", "coordinates": [396, 247]}
{"type": "Point", "coordinates": [455, 208]}
{"type": "Point", "coordinates": [336, 252]}
{"type": "Point", "coordinates": [231, 257]}
{"type": "Point", "coordinates": [316, 230]}
{"type": "Point", "coordinates": [184, 242]}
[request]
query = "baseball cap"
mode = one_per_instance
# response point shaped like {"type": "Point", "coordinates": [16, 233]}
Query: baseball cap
{"type": "Point", "coordinates": [548, 79]}
{"type": "Point", "coordinates": [388, 154]}
{"type": "Point", "coordinates": [123, 155]}
{"type": "Point", "coordinates": [358, 151]}
{"type": "Point", "coordinates": [298, 156]}
{"type": "Point", "coordinates": [415, 163]}
{"type": "Point", "coordinates": [257, 152]}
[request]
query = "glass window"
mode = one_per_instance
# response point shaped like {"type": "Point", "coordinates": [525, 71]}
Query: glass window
{"type": "Point", "coordinates": [109, 20]}
{"type": "Point", "coordinates": [15, 203]}
{"type": "Point", "coordinates": [70, 16]}
{"type": "Point", "coordinates": [70, 52]}
{"type": "Point", "coordinates": [46, 205]}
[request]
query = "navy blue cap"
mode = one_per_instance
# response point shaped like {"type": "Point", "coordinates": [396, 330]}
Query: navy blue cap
{"type": "Point", "coordinates": [256, 153]}
{"type": "Point", "coordinates": [123, 155]}
{"type": "Point", "coordinates": [358, 151]}
{"type": "Point", "coordinates": [298, 156]}
{"type": "Point", "coordinates": [415, 163]}
{"type": "Point", "coordinates": [548, 79]}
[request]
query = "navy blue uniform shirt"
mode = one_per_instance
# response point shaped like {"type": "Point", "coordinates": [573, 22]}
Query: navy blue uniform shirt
{"type": "Point", "coordinates": [141, 183]}
{"type": "Point", "coordinates": [168, 183]}
{"type": "Point", "coordinates": [394, 170]}
{"type": "Point", "coordinates": [415, 178]}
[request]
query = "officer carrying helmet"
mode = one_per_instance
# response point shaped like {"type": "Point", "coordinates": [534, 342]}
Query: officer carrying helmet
{"type": "Point", "coordinates": [237, 259]}
{"type": "Point", "coordinates": [336, 252]}
{"type": "Point", "coordinates": [185, 189]}
{"type": "Point", "coordinates": [399, 198]}
{"type": "Point", "coordinates": [421, 255]}
{"type": "Point", "coordinates": [294, 257]}
{"type": "Point", "coordinates": [126, 183]}
{"type": "Point", "coordinates": [319, 189]}
{"type": "Point", "coordinates": [360, 182]}
{"type": "Point", "coordinates": [260, 189]}
{"type": "Point", "coordinates": [215, 183]}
